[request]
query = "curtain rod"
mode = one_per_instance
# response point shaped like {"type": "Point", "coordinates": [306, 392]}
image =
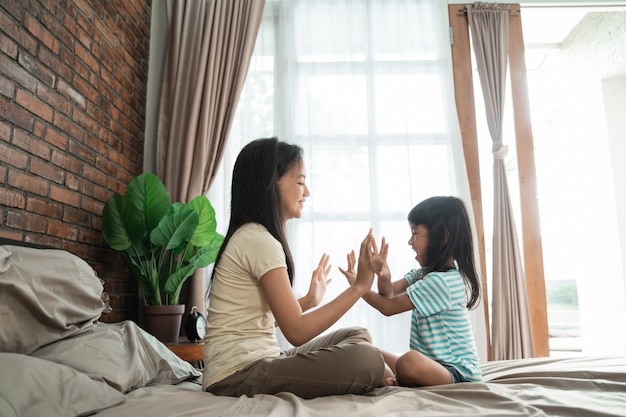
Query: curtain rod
{"type": "Point", "coordinates": [511, 11]}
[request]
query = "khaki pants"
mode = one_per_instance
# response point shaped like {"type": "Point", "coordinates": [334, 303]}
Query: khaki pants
{"type": "Point", "coordinates": [342, 362]}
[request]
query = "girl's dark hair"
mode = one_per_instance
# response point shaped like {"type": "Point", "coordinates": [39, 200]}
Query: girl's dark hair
{"type": "Point", "coordinates": [449, 238]}
{"type": "Point", "coordinates": [255, 197]}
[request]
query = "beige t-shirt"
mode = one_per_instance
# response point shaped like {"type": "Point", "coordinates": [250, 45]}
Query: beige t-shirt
{"type": "Point", "coordinates": [240, 324]}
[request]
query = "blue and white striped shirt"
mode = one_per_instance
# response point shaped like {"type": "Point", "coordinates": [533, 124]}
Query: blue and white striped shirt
{"type": "Point", "coordinates": [440, 324]}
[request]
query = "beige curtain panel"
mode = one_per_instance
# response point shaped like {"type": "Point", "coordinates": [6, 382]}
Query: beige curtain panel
{"type": "Point", "coordinates": [209, 46]}
{"type": "Point", "coordinates": [511, 331]}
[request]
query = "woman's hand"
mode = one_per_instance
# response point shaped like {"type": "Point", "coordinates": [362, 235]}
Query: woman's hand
{"type": "Point", "coordinates": [365, 273]}
{"type": "Point", "coordinates": [319, 282]}
{"type": "Point", "coordinates": [349, 273]}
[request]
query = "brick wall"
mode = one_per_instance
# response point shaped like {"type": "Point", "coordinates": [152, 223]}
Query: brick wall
{"type": "Point", "coordinates": [73, 79]}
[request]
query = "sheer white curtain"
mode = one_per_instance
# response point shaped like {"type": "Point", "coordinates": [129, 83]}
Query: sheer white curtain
{"type": "Point", "coordinates": [365, 87]}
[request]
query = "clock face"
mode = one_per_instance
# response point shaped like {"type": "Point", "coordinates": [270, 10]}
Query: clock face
{"type": "Point", "coordinates": [201, 327]}
{"type": "Point", "coordinates": [195, 327]}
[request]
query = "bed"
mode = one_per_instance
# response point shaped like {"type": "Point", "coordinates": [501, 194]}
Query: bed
{"type": "Point", "coordinates": [58, 359]}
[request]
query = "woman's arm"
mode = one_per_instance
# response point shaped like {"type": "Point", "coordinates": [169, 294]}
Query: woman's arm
{"type": "Point", "coordinates": [299, 328]}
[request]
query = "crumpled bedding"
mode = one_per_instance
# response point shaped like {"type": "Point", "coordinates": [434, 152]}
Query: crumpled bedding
{"type": "Point", "coordinates": [580, 386]}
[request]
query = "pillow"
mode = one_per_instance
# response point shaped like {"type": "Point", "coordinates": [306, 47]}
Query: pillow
{"type": "Point", "coordinates": [121, 354]}
{"type": "Point", "coordinates": [45, 295]}
{"type": "Point", "coordinates": [34, 387]}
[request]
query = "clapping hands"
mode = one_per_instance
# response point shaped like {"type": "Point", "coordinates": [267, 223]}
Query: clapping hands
{"type": "Point", "coordinates": [377, 261]}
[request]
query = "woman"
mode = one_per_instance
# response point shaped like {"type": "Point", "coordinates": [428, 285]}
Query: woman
{"type": "Point", "coordinates": [251, 294]}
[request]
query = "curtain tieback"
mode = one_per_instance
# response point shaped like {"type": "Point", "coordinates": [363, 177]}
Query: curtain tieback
{"type": "Point", "coordinates": [501, 152]}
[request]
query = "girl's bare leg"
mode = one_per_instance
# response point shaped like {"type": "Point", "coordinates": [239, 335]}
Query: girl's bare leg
{"type": "Point", "coordinates": [389, 377]}
{"type": "Point", "coordinates": [413, 369]}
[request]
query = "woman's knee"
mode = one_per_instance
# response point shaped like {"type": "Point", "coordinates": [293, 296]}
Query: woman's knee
{"type": "Point", "coordinates": [357, 335]}
{"type": "Point", "coordinates": [365, 360]}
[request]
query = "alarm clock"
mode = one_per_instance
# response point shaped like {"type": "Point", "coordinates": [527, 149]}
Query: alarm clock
{"type": "Point", "coordinates": [195, 325]}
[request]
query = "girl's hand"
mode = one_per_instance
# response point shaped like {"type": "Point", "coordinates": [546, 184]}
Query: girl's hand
{"type": "Point", "coordinates": [319, 282]}
{"type": "Point", "coordinates": [350, 274]}
{"type": "Point", "coordinates": [379, 261]}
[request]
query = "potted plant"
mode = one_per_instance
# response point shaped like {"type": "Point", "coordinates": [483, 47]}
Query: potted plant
{"type": "Point", "coordinates": [163, 243]}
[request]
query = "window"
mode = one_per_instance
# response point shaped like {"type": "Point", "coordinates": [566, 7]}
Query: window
{"type": "Point", "coordinates": [364, 88]}
{"type": "Point", "coordinates": [579, 206]}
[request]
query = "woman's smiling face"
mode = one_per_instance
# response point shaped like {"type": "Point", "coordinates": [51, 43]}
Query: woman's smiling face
{"type": "Point", "coordinates": [293, 191]}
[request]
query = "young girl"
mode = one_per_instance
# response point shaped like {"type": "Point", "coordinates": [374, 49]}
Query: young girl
{"type": "Point", "coordinates": [251, 294]}
{"type": "Point", "coordinates": [443, 349]}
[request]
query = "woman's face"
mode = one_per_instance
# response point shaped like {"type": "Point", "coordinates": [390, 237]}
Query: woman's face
{"type": "Point", "coordinates": [293, 191]}
{"type": "Point", "coordinates": [419, 242]}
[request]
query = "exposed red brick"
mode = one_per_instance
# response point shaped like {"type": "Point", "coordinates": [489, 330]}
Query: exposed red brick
{"type": "Point", "coordinates": [45, 208]}
{"type": "Point", "coordinates": [61, 34]}
{"type": "Point", "coordinates": [13, 157]}
{"type": "Point", "coordinates": [61, 69]}
{"type": "Point", "coordinates": [6, 44]}
{"type": "Point", "coordinates": [11, 234]}
{"type": "Point", "coordinates": [66, 161]}
{"type": "Point", "coordinates": [5, 131]}
{"type": "Point", "coordinates": [46, 170]}
{"type": "Point", "coordinates": [7, 88]}
{"type": "Point", "coordinates": [85, 56]}
{"type": "Point", "coordinates": [76, 183]}
{"type": "Point", "coordinates": [19, 116]}
{"type": "Point", "coordinates": [61, 230]}
{"type": "Point", "coordinates": [63, 195]}
{"type": "Point", "coordinates": [28, 183]}
{"type": "Point", "coordinates": [76, 216]}
{"type": "Point", "coordinates": [41, 33]}
{"type": "Point", "coordinates": [34, 105]}
{"type": "Point", "coordinates": [67, 127]}
{"type": "Point", "coordinates": [21, 220]}
{"type": "Point", "coordinates": [92, 206]}
{"type": "Point", "coordinates": [72, 92]}
{"type": "Point", "coordinates": [50, 135]}
{"type": "Point", "coordinates": [54, 99]}
{"type": "Point", "coordinates": [31, 144]}
{"type": "Point", "coordinates": [94, 175]}
{"type": "Point", "coordinates": [18, 33]}
{"type": "Point", "coordinates": [68, 91]}
{"type": "Point", "coordinates": [80, 151]}
{"type": "Point", "coordinates": [13, 198]}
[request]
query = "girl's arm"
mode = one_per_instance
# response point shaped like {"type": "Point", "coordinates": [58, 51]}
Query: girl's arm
{"type": "Point", "coordinates": [389, 306]}
{"type": "Point", "coordinates": [299, 328]}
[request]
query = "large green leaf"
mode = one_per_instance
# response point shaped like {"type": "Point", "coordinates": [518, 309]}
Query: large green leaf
{"type": "Point", "coordinates": [174, 282]}
{"type": "Point", "coordinates": [206, 255]}
{"type": "Point", "coordinates": [122, 225]}
{"type": "Point", "coordinates": [175, 229]}
{"type": "Point", "coordinates": [150, 197]}
{"type": "Point", "coordinates": [205, 232]}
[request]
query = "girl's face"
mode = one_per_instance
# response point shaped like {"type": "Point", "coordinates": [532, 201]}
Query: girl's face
{"type": "Point", "coordinates": [419, 242]}
{"type": "Point", "coordinates": [293, 191]}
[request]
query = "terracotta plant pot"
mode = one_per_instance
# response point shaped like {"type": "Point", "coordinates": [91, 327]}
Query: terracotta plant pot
{"type": "Point", "coordinates": [164, 321]}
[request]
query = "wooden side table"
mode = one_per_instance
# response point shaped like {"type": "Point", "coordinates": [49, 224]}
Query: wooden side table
{"type": "Point", "coordinates": [192, 352]}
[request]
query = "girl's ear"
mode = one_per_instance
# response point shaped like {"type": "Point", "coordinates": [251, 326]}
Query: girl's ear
{"type": "Point", "coordinates": [445, 238]}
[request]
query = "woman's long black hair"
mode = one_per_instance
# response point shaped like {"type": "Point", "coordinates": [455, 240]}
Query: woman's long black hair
{"type": "Point", "coordinates": [449, 238]}
{"type": "Point", "coordinates": [255, 197]}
